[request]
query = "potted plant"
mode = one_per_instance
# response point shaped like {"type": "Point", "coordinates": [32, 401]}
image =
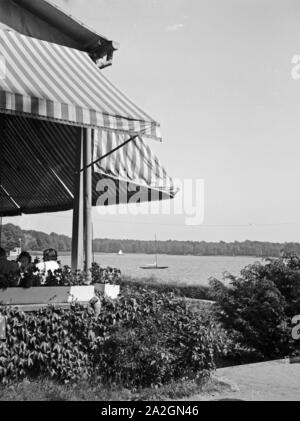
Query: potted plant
{"type": "Point", "coordinates": [62, 287]}
{"type": "Point", "coordinates": [106, 280]}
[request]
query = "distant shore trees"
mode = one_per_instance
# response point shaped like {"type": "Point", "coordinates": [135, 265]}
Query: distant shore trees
{"type": "Point", "coordinates": [37, 241]}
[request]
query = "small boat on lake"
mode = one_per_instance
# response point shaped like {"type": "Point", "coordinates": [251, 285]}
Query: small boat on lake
{"type": "Point", "coordinates": [154, 266]}
{"type": "Point", "coordinates": [120, 253]}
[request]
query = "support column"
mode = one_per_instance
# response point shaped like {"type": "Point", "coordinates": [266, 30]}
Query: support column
{"type": "Point", "coordinates": [88, 206]}
{"type": "Point", "coordinates": [77, 232]}
{"type": "Point", "coordinates": [2, 134]}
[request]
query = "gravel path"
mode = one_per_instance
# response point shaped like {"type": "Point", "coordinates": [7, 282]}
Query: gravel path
{"type": "Point", "coordinates": [269, 381]}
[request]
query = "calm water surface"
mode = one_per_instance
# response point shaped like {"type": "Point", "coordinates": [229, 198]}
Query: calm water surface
{"type": "Point", "coordinates": [186, 269]}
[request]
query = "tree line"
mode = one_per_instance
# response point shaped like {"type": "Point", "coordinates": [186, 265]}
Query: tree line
{"type": "Point", "coordinates": [13, 235]}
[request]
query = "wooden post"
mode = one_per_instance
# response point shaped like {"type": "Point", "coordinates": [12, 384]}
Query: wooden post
{"type": "Point", "coordinates": [77, 234]}
{"type": "Point", "coordinates": [88, 228]}
{"type": "Point", "coordinates": [2, 133]}
{"type": "Point", "coordinates": [82, 237]}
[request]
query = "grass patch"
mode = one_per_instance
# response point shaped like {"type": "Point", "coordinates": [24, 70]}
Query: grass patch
{"type": "Point", "coordinates": [47, 390]}
{"type": "Point", "coordinates": [179, 289]}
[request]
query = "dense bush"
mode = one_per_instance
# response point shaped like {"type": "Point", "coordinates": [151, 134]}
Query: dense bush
{"type": "Point", "coordinates": [163, 341]}
{"type": "Point", "coordinates": [142, 339]}
{"type": "Point", "coordinates": [52, 342]}
{"type": "Point", "coordinates": [259, 305]}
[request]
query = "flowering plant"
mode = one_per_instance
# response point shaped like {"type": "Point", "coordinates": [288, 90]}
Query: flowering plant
{"type": "Point", "coordinates": [62, 277]}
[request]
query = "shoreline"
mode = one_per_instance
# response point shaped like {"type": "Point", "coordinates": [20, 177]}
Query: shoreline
{"type": "Point", "coordinates": [68, 253]}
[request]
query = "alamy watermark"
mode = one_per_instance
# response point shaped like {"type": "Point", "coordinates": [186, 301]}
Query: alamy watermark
{"type": "Point", "coordinates": [122, 198]}
{"type": "Point", "coordinates": [295, 72]}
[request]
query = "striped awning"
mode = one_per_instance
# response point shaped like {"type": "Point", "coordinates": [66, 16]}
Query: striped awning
{"type": "Point", "coordinates": [134, 168]}
{"type": "Point", "coordinates": [47, 94]}
{"type": "Point", "coordinates": [49, 81]}
{"type": "Point", "coordinates": [38, 163]}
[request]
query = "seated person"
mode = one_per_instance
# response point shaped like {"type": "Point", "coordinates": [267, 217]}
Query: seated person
{"type": "Point", "coordinates": [49, 263]}
{"type": "Point", "coordinates": [8, 267]}
{"type": "Point", "coordinates": [24, 261]}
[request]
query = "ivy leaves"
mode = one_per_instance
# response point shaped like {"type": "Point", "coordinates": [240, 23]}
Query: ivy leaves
{"type": "Point", "coordinates": [144, 338]}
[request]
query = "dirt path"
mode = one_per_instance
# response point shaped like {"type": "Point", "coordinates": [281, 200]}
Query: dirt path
{"type": "Point", "coordinates": [270, 381]}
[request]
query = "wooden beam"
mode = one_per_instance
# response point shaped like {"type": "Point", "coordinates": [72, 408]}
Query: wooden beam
{"type": "Point", "coordinates": [77, 232]}
{"type": "Point", "coordinates": [88, 227]}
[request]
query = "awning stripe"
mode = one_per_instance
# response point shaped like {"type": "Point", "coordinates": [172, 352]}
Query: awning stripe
{"type": "Point", "coordinates": [48, 81]}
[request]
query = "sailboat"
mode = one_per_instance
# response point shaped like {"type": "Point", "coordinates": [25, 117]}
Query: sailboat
{"type": "Point", "coordinates": [154, 266]}
{"type": "Point", "coordinates": [120, 253]}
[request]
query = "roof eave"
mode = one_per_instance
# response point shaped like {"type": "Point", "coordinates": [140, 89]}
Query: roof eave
{"type": "Point", "coordinates": [74, 33]}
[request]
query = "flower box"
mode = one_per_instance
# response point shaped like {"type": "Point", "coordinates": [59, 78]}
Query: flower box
{"type": "Point", "coordinates": [110, 291]}
{"type": "Point", "coordinates": [47, 295]}
{"type": "Point", "coordinates": [43, 296]}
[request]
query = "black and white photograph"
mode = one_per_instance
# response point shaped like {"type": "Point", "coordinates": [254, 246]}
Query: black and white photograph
{"type": "Point", "coordinates": [149, 203]}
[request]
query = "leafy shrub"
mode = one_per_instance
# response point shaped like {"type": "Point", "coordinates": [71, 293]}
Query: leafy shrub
{"type": "Point", "coordinates": [164, 341]}
{"type": "Point", "coordinates": [106, 275]}
{"type": "Point", "coordinates": [258, 306]}
{"type": "Point", "coordinates": [48, 343]}
{"type": "Point", "coordinates": [142, 339]}
{"type": "Point", "coordinates": [61, 277]}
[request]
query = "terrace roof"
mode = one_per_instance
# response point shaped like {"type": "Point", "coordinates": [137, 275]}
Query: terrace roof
{"type": "Point", "coordinates": [43, 20]}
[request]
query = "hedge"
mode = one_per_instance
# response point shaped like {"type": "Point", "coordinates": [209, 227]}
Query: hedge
{"type": "Point", "coordinates": [142, 339]}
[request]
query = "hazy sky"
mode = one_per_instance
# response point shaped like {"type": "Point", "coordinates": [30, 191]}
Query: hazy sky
{"type": "Point", "coordinates": [217, 75]}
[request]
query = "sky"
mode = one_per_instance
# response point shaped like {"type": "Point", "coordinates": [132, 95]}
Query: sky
{"type": "Point", "coordinates": [217, 75]}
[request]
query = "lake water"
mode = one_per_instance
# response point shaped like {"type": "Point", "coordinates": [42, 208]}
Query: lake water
{"type": "Point", "coordinates": [193, 270]}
